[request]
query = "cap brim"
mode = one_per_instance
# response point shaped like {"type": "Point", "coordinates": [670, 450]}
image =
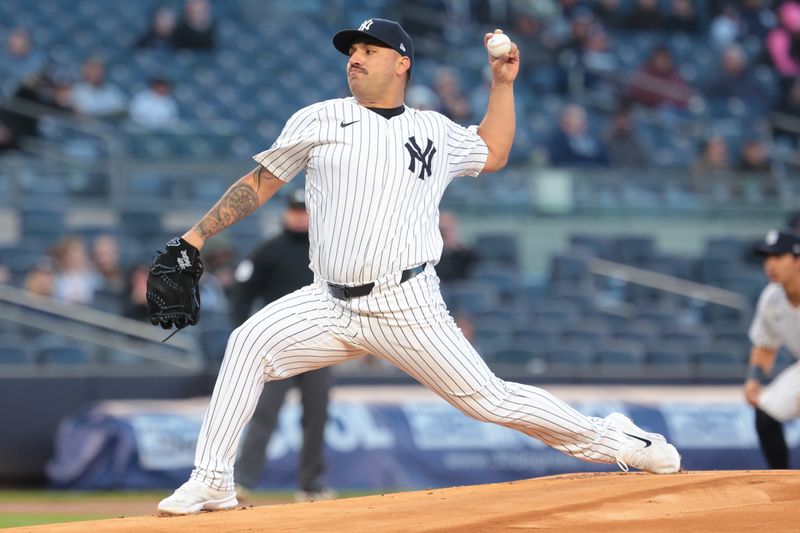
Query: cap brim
{"type": "Point", "coordinates": [763, 250]}
{"type": "Point", "coordinates": [344, 39]}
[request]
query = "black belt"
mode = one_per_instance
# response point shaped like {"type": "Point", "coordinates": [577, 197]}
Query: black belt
{"type": "Point", "coordinates": [344, 292]}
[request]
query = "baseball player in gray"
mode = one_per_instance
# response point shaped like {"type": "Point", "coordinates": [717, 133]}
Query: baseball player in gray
{"type": "Point", "coordinates": [776, 323]}
{"type": "Point", "coordinates": [376, 171]}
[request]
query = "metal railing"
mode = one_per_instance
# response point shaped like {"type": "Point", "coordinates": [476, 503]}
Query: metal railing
{"type": "Point", "coordinates": [99, 328]}
{"type": "Point", "coordinates": [667, 283]}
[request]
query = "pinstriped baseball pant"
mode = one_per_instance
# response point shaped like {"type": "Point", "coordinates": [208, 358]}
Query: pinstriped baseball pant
{"type": "Point", "coordinates": [406, 324]}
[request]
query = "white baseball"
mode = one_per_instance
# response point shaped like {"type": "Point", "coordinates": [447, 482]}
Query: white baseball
{"type": "Point", "coordinates": [498, 45]}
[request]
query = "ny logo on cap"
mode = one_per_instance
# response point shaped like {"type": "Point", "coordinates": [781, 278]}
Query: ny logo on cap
{"type": "Point", "coordinates": [402, 47]}
{"type": "Point", "coordinates": [423, 156]}
{"type": "Point", "coordinates": [365, 25]}
{"type": "Point", "coordinates": [772, 237]}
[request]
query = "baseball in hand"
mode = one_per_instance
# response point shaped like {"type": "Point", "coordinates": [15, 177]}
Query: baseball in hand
{"type": "Point", "coordinates": [498, 45]}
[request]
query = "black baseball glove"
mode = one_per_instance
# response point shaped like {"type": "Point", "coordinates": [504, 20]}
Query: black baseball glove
{"type": "Point", "coordinates": [173, 292]}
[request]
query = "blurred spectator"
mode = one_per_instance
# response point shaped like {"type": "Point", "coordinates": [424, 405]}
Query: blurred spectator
{"type": "Point", "coordinates": [683, 17]}
{"type": "Point", "coordinates": [94, 96]}
{"type": "Point", "coordinates": [154, 107]}
{"type": "Point", "coordinates": [457, 258]}
{"type": "Point", "coordinates": [135, 305]}
{"type": "Point", "coordinates": [105, 257]}
{"type": "Point", "coordinates": [646, 16]}
{"type": "Point", "coordinates": [75, 279]}
{"type": "Point", "coordinates": [793, 222]}
{"type": "Point", "coordinates": [725, 28]}
{"type": "Point", "coordinates": [538, 63]}
{"type": "Point", "coordinates": [734, 79]}
{"type": "Point", "coordinates": [756, 18]}
{"type": "Point", "coordinates": [160, 33]}
{"type": "Point", "coordinates": [18, 62]}
{"type": "Point", "coordinates": [580, 25]}
{"type": "Point", "coordinates": [572, 144]}
{"type": "Point", "coordinates": [5, 275]}
{"type": "Point", "coordinates": [783, 41]}
{"type": "Point", "coordinates": [220, 261]}
{"type": "Point", "coordinates": [658, 83]}
{"type": "Point", "coordinates": [422, 97]}
{"type": "Point", "coordinates": [753, 157]}
{"type": "Point", "coordinates": [497, 14]}
{"type": "Point", "coordinates": [40, 280]}
{"type": "Point", "coordinates": [711, 173]}
{"type": "Point", "coordinates": [754, 164]}
{"type": "Point", "coordinates": [196, 29]}
{"type": "Point", "coordinates": [600, 62]}
{"type": "Point", "coordinates": [785, 124]}
{"type": "Point", "coordinates": [8, 139]}
{"type": "Point", "coordinates": [610, 13]}
{"type": "Point", "coordinates": [426, 18]}
{"type": "Point", "coordinates": [454, 104]}
{"type": "Point", "coordinates": [623, 145]}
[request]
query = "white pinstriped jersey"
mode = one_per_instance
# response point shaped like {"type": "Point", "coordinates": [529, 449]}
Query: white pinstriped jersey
{"type": "Point", "coordinates": [373, 184]}
{"type": "Point", "coordinates": [776, 322]}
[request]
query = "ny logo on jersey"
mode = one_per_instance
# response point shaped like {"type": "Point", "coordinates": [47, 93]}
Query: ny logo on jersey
{"type": "Point", "coordinates": [423, 156]}
{"type": "Point", "coordinates": [365, 25]}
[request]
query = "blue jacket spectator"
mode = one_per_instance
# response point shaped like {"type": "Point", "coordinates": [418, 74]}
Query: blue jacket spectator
{"type": "Point", "coordinates": [734, 79]}
{"type": "Point", "coordinates": [572, 144]}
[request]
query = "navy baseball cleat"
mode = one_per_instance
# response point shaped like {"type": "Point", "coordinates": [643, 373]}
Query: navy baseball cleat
{"type": "Point", "coordinates": [643, 450]}
{"type": "Point", "coordinates": [193, 497]}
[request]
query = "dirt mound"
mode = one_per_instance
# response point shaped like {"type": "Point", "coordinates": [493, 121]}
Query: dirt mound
{"type": "Point", "coordinates": [692, 501]}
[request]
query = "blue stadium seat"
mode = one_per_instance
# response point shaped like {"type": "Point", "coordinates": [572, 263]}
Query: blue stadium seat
{"type": "Point", "coordinates": [597, 245]}
{"type": "Point", "coordinates": [619, 352]}
{"type": "Point", "coordinates": [570, 353]}
{"type": "Point", "coordinates": [471, 297]}
{"type": "Point", "coordinates": [141, 223]}
{"type": "Point", "coordinates": [15, 354]}
{"type": "Point", "coordinates": [634, 250]}
{"type": "Point", "coordinates": [66, 354]}
{"type": "Point", "coordinates": [498, 248]}
{"type": "Point", "coordinates": [568, 267]}
{"type": "Point", "coordinates": [668, 359]}
{"type": "Point", "coordinates": [214, 342]}
{"type": "Point", "coordinates": [42, 225]}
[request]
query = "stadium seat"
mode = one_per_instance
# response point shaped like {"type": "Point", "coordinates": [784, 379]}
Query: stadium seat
{"type": "Point", "coordinates": [635, 250]}
{"type": "Point", "coordinates": [619, 352]}
{"type": "Point", "coordinates": [15, 354]}
{"type": "Point", "coordinates": [498, 248]}
{"type": "Point", "coordinates": [214, 342]}
{"type": "Point", "coordinates": [669, 360]}
{"type": "Point", "coordinates": [71, 355]}
{"type": "Point", "coordinates": [42, 225]}
{"type": "Point", "coordinates": [141, 223]}
{"type": "Point", "coordinates": [571, 353]}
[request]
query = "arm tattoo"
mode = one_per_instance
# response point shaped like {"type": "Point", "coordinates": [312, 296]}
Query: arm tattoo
{"type": "Point", "coordinates": [260, 173]}
{"type": "Point", "coordinates": [238, 202]}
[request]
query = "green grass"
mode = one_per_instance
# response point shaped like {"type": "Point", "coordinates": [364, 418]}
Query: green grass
{"type": "Point", "coordinates": [65, 496]}
{"type": "Point", "coordinates": [18, 519]}
{"type": "Point", "coordinates": [22, 519]}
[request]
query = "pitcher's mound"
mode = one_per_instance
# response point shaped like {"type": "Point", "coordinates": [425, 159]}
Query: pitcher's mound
{"type": "Point", "coordinates": [693, 501]}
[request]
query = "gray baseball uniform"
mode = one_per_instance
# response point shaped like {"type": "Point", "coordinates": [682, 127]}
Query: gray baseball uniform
{"type": "Point", "coordinates": [777, 323]}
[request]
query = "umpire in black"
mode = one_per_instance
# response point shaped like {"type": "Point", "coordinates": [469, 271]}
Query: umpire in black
{"type": "Point", "coordinates": [275, 268]}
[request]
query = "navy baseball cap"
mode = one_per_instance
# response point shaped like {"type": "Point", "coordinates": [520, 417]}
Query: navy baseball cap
{"type": "Point", "coordinates": [296, 199]}
{"type": "Point", "coordinates": [778, 242]}
{"type": "Point", "coordinates": [388, 32]}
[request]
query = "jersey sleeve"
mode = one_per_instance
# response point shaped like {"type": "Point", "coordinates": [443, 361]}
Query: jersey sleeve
{"type": "Point", "coordinates": [468, 152]}
{"type": "Point", "coordinates": [288, 155]}
{"type": "Point", "coordinates": [761, 333]}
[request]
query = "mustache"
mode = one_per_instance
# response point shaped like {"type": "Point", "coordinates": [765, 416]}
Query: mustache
{"type": "Point", "coordinates": [357, 69]}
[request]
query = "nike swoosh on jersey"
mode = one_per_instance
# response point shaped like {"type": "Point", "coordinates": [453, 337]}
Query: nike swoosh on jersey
{"type": "Point", "coordinates": [647, 442]}
{"type": "Point", "coordinates": [345, 124]}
